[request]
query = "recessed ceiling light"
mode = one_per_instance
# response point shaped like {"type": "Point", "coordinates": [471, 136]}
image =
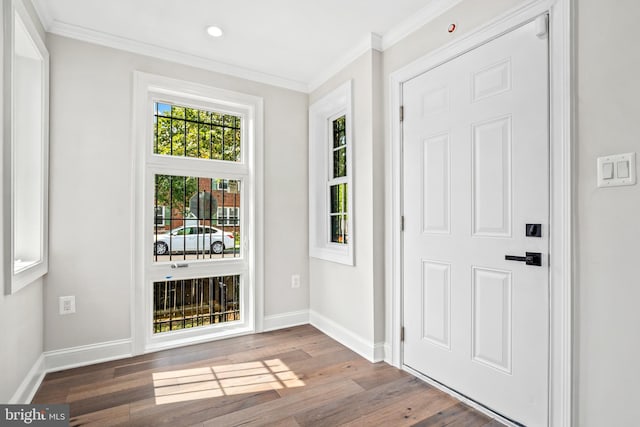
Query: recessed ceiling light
{"type": "Point", "coordinates": [214, 31]}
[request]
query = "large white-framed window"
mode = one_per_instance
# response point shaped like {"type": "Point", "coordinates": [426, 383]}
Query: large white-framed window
{"type": "Point", "coordinates": [331, 177]}
{"type": "Point", "coordinates": [26, 148]}
{"type": "Point", "coordinates": [198, 149]}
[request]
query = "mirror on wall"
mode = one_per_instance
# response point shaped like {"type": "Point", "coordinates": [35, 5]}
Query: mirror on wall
{"type": "Point", "coordinates": [25, 150]}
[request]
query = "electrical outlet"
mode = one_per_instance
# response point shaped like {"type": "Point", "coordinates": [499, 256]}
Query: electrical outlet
{"type": "Point", "coordinates": [295, 281]}
{"type": "Point", "coordinates": [67, 305]}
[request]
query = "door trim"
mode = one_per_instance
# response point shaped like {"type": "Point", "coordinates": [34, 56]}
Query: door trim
{"type": "Point", "coordinates": [561, 197]}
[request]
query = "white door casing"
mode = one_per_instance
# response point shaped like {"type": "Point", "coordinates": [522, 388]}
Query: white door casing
{"type": "Point", "coordinates": [476, 170]}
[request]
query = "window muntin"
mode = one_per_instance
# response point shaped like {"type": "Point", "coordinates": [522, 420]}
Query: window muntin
{"type": "Point", "coordinates": [182, 131]}
{"type": "Point", "coordinates": [190, 227]}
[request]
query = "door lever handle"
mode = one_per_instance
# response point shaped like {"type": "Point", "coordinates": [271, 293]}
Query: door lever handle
{"type": "Point", "coordinates": [530, 258]}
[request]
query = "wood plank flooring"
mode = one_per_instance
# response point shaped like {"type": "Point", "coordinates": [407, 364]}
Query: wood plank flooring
{"type": "Point", "coordinates": [289, 377]}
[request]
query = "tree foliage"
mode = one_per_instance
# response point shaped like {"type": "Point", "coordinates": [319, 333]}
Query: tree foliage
{"type": "Point", "coordinates": [187, 132]}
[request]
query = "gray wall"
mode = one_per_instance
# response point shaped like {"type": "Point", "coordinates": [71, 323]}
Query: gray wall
{"type": "Point", "coordinates": [90, 197]}
{"type": "Point", "coordinates": [607, 220]}
{"type": "Point", "coordinates": [22, 328]}
{"type": "Point", "coordinates": [351, 296]}
{"type": "Point", "coordinates": [21, 316]}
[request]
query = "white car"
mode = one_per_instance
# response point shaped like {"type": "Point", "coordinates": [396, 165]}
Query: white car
{"type": "Point", "coordinates": [199, 238]}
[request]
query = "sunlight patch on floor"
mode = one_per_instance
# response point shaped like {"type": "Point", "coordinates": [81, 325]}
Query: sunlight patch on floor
{"type": "Point", "coordinates": [223, 380]}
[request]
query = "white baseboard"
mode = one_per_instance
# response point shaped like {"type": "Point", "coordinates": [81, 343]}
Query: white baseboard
{"type": "Point", "coordinates": [387, 354]}
{"type": "Point", "coordinates": [379, 352]}
{"type": "Point", "coordinates": [285, 320]}
{"type": "Point", "coordinates": [74, 357]}
{"type": "Point", "coordinates": [27, 389]}
{"type": "Point", "coordinates": [58, 360]}
{"type": "Point", "coordinates": [373, 352]}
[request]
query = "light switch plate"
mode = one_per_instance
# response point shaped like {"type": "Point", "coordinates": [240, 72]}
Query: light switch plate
{"type": "Point", "coordinates": [624, 170]}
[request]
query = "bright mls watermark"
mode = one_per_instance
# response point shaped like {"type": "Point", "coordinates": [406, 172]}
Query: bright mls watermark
{"type": "Point", "coordinates": [34, 415]}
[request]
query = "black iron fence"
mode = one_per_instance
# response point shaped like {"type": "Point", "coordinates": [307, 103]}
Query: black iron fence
{"type": "Point", "coordinates": [188, 303]}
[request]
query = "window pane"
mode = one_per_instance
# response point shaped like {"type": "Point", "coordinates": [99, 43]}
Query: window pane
{"type": "Point", "coordinates": [180, 304]}
{"type": "Point", "coordinates": [177, 111]}
{"type": "Point", "coordinates": [192, 114]}
{"type": "Point", "coordinates": [339, 198]}
{"type": "Point", "coordinates": [339, 133]}
{"type": "Point", "coordinates": [192, 140]}
{"type": "Point", "coordinates": [177, 137]}
{"type": "Point", "coordinates": [163, 135]}
{"type": "Point", "coordinates": [339, 229]}
{"type": "Point", "coordinates": [189, 132]}
{"type": "Point", "coordinates": [340, 162]}
{"type": "Point", "coordinates": [163, 109]}
{"type": "Point", "coordinates": [192, 204]}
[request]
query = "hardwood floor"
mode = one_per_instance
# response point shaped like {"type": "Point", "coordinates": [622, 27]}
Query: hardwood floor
{"type": "Point", "coordinates": [289, 377]}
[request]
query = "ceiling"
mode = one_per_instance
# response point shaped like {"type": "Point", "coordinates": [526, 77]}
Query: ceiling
{"type": "Point", "coordinates": [290, 43]}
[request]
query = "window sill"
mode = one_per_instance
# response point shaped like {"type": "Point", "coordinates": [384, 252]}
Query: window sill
{"type": "Point", "coordinates": [340, 255]}
{"type": "Point", "coordinates": [24, 273]}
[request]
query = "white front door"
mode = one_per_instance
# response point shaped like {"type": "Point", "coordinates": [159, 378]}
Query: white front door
{"type": "Point", "coordinates": [475, 173]}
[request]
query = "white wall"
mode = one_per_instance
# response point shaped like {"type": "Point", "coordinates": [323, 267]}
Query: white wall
{"type": "Point", "coordinates": [90, 189]}
{"type": "Point", "coordinates": [607, 288]}
{"type": "Point", "coordinates": [346, 301]}
{"type": "Point", "coordinates": [21, 317]}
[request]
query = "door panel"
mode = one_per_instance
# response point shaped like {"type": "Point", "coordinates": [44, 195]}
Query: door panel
{"type": "Point", "coordinates": [491, 177]}
{"type": "Point", "coordinates": [491, 308]}
{"type": "Point", "coordinates": [436, 184]}
{"type": "Point", "coordinates": [475, 159]}
{"type": "Point", "coordinates": [436, 294]}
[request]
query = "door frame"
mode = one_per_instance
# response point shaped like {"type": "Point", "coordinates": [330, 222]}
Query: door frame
{"type": "Point", "coordinates": [561, 197]}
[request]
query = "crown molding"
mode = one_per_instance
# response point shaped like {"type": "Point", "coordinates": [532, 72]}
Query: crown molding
{"type": "Point", "coordinates": [44, 13]}
{"type": "Point", "coordinates": [428, 13]}
{"type": "Point", "coordinates": [371, 42]}
{"type": "Point", "coordinates": [147, 49]}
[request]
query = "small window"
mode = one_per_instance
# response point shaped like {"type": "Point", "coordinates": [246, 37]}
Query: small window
{"type": "Point", "coordinates": [330, 188]}
{"type": "Point", "coordinates": [25, 147]}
